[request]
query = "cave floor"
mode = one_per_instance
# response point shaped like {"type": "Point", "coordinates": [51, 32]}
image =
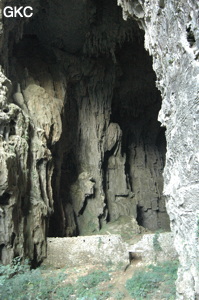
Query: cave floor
{"type": "Point", "coordinates": [116, 285]}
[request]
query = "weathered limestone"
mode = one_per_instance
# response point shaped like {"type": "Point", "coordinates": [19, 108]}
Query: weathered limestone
{"type": "Point", "coordinates": [110, 133]}
{"type": "Point", "coordinates": [172, 38]}
{"type": "Point", "coordinates": [79, 136]}
{"type": "Point", "coordinates": [85, 106]}
{"type": "Point", "coordinates": [28, 128]}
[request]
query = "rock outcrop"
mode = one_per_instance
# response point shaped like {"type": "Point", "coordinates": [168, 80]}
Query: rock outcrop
{"type": "Point", "coordinates": [79, 127]}
{"type": "Point", "coordinates": [172, 38]}
{"type": "Point", "coordinates": [80, 144]}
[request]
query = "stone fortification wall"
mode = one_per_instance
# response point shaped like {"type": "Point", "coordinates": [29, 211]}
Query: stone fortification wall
{"type": "Point", "coordinates": [154, 248]}
{"type": "Point", "coordinates": [82, 250]}
{"type": "Point", "coordinates": [105, 249]}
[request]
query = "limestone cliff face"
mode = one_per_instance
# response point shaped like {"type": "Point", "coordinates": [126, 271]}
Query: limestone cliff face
{"type": "Point", "coordinates": [80, 142]}
{"type": "Point", "coordinates": [172, 38]}
{"type": "Point", "coordinates": [81, 145]}
{"type": "Point", "coordinates": [30, 122]}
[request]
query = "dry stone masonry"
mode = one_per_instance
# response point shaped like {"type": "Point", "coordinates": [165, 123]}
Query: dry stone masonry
{"type": "Point", "coordinates": [153, 248]}
{"type": "Point", "coordinates": [84, 250]}
{"type": "Point", "coordinates": [94, 128]}
{"type": "Point", "coordinates": [108, 249]}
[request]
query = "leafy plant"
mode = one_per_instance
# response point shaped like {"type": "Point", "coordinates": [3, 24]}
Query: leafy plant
{"type": "Point", "coordinates": [156, 243]}
{"type": "Point", "coordinates": [18, 282]}
{"type": "Point", "coordinates": [119, 296]}
{"type": "Point", "coordinates": [120, 265]}
{"type": "Point", "coordinates": [92, 294]}
{"type": "Point", "coordinates": [99, 243]}
{"type": "Point", "coordinates": [87, 286]}
{"type": "Point", "coordinates": [26, 137]}
{"type": "Point", "coordinates": [198, 227]}
{"type": "Point", "coordinates": [64, 292]}
{"type": "Point", "coordinates": [16, 267]}
{"type": "Point", "coordinates": [145, 282]}
{"type": "Point", "coordinates": [109, 265]}
{"type": "Point", "coordinates": [93, 279]}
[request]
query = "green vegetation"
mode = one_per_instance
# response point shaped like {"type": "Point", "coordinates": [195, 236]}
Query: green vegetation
{"type": "Point", "coordinates": [119, 295]}
{"type": "Point", "coordinates": [93, 279]}
{"type": "Point", "coordinates": [156, 243]}
{"type": "Point", "coordinates": [18, 282]}
{"type": "Point", "coordinates": [87, 286]}
{"type": "Point", "coordinates": [99, 243]}
{"type": "Point", "coordinates": [16, 267]}
{"type": "Point", "coordinates": [109, 265]}
{"type": "Point", "coordinates": [26, 137]}
{"type": "Point", "coordinates": [146, 282]}
{"type": "Point", "coordinates": [198, 227]}
{"type": "Point", "coordinates": [93, 294]}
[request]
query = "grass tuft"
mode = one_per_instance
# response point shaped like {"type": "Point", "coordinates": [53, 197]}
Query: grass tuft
{"type": "Point", "coordinates": [18, 282]}
{"type": "Point", "coordinates": [146, 282]}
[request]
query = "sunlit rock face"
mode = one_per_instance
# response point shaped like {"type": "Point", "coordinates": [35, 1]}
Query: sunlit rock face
{"type": "Point", "coordinates": [172, 38]}
{"type": "Point", "coordinates": [81, 144]}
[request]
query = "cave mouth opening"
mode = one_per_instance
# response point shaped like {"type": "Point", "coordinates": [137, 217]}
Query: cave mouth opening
{"type": "Point", "coordinates": [112, 164]}
{"type": "Point", "coordinates": [109, 160]}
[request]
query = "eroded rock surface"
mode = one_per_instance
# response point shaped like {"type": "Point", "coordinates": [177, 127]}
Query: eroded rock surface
{"type": "Point", "coordinates": [80, 144]}
{"type": "Point", "coordinates": [78, 127]}
{"type": "Point", "coordinates": [172, 38]}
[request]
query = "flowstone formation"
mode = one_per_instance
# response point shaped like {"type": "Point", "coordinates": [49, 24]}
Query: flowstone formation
{"type": "Point", "coordinates": [80, 143]}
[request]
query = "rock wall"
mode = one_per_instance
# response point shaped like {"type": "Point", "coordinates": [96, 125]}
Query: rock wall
{"type": "Point", "coordinates": [110, 248]}
{"type": "Point", "coordinates": [80, 142]}
{"type": "Point", "coordinates": [172, 38]}
{"type": "Point", "coordinates": [112, 149]}
{"type": "Point", "coordinates": [87, 250]}
{"type": "Point", "coordinates": [153, 248]}
{"type": "Point", "coordinates": [30, 122]}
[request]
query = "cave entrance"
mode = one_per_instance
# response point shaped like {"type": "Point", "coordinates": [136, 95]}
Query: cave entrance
{"type": "Point", "coordinates": [135, 106]}
{"type": "Point", "coordinates": [109, 160]}
{"type": "Point", "coordinates": [112, 150]}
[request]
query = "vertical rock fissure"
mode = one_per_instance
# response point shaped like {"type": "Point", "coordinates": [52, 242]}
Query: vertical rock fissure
{"type": "Point", "coordinates": [105, 182]}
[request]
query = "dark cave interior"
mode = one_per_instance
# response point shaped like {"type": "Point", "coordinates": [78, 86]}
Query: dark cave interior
{"type": "Point", "coordinates": [109, 160]}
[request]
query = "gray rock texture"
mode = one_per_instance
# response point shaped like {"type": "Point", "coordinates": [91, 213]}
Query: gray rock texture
{"type": "Point", "coordinates": [84, 250]}
{"type": "Point", "coordinates": [78, 128]}
{"type": "Point", "coordinates": [80, 144]}
{"type": "Point", "coordinates": [153, 248]}
{"type": "Point", "coordinates": [172, 38]}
